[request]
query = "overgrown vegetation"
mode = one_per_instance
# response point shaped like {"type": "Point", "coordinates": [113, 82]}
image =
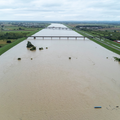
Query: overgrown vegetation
{"type": "Point", "coordinates": [31, 46]}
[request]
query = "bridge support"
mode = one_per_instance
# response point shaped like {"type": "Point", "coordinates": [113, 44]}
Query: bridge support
{"type": "Point", "coordinates": [34, 37]}
{"type": "Point", "coordinates": [84, 38]}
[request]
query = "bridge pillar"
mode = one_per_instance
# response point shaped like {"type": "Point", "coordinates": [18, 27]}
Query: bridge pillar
{"type": "Point", "coordinates": [76, 38]}
{"type": "Point", "coordinates": [51, 38]}
{"type": "Point", "coordinates": [59, 38]}
{"type": "Point", "coordinates": [84, 38]}
{"type": "Point", "coordinates": [67, 38]}
{"type": "Point", "coordinates": [43, 38]}
{"type": "Point", "coordinates": [34, 37]}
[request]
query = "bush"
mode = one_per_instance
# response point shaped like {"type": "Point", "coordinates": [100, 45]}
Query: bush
{"type": "Point", "coordinates": [29, 44]}
{"type": "Point", "coordinates": [118, 59]}
{"type": "Point", "coordinates": [41, 48]}
{"type": "Point", "coordinates": [8, 41]}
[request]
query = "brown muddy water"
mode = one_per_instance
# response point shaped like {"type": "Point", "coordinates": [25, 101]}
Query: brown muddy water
{"type": "Point", "coordinates": [53, 87]}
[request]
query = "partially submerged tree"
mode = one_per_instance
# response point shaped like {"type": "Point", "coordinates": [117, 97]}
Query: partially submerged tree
{"type": "Point", "coordinates": [33, 48]}
{"type": "Point", "coordinates": [29, 44]}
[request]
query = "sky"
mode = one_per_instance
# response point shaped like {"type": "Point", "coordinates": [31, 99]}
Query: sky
{"type": "Point", "coordinates": [60, 10]}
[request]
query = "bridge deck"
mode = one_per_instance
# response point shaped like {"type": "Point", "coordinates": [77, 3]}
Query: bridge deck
{"type": "Point", "coordinates": [69, 36]}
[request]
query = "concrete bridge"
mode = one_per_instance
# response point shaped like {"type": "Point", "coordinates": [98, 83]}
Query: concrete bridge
{"type": "Point", "coordinates": [75, 37]}
{"type": "Point", "coordinates": [59, 28]}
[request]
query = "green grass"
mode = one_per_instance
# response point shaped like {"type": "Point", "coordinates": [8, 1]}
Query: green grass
{"type": "Point", "coordinates": [102, 44]}
{"type": "Point", "coordinates": [9, 46]}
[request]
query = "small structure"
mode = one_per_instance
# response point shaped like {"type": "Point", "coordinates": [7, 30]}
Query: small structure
{"type": "Point", "coordinates": [118, 41]}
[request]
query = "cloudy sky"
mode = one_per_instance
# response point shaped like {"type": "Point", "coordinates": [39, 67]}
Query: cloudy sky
{"type": "Point", "coordinates": [60, 10]}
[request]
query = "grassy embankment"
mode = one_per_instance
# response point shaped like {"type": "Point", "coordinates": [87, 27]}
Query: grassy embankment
{"type": "Point", "coordinates": [15, 42]}
{"type": "Point", "coordinates": [111, 43]}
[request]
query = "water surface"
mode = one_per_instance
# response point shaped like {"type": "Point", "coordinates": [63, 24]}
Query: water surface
{"type": "Point", "coordinates": [53, 87]}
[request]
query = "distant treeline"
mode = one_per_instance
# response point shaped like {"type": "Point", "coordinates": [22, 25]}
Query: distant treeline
{"type": "Point", "coordinates": [12, 35]}
{"type": "Point", "coordinates": [106, 34]}
{"type": "Point", "coordinates": [93, 26]}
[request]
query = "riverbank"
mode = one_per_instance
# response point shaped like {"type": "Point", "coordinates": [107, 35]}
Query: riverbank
{"type": "Point", "coordinates": [105, 45]}
{"type": "Point", "coordinates": [10, 45]}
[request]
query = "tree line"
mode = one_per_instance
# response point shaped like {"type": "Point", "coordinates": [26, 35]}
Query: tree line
{"type": "Point", "coordinates": [12, 35]}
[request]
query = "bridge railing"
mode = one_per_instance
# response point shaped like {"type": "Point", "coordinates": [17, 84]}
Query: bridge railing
{"type": "Point", "coordinates": [59, 28]}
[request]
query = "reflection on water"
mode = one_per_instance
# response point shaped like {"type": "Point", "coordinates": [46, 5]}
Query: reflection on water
{"type": "Point", "coordinates": [52, 87]}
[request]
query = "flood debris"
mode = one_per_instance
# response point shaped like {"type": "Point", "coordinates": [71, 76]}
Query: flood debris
{"type": "Point", "coordinates": [19, 58]}
{"type": "Point", "coordinates": [97, 107]}
{"type": "Point", "coordinates": [31, 58]}
{"type": "Point", "coordinates": [46, 47]}
{"type": "Point", "coordinates": [69, 57]}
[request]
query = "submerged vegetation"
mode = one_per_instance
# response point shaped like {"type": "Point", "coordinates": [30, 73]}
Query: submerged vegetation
{"type": "Point", "coordinates": [31, 46]}
{"type": "Point", "coordinates": [117, 59]}
{"type": "Point", "coordinates": [19, 58]}
{"type": "Point", "coordinates": [41, 48]}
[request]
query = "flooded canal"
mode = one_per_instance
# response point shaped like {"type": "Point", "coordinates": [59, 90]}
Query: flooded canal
{"type": "Point", "coordinates": [50, 86]}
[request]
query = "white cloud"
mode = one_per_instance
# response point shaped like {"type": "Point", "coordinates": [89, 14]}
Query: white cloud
{"type": "Point", "coordinates": [59, 10]}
